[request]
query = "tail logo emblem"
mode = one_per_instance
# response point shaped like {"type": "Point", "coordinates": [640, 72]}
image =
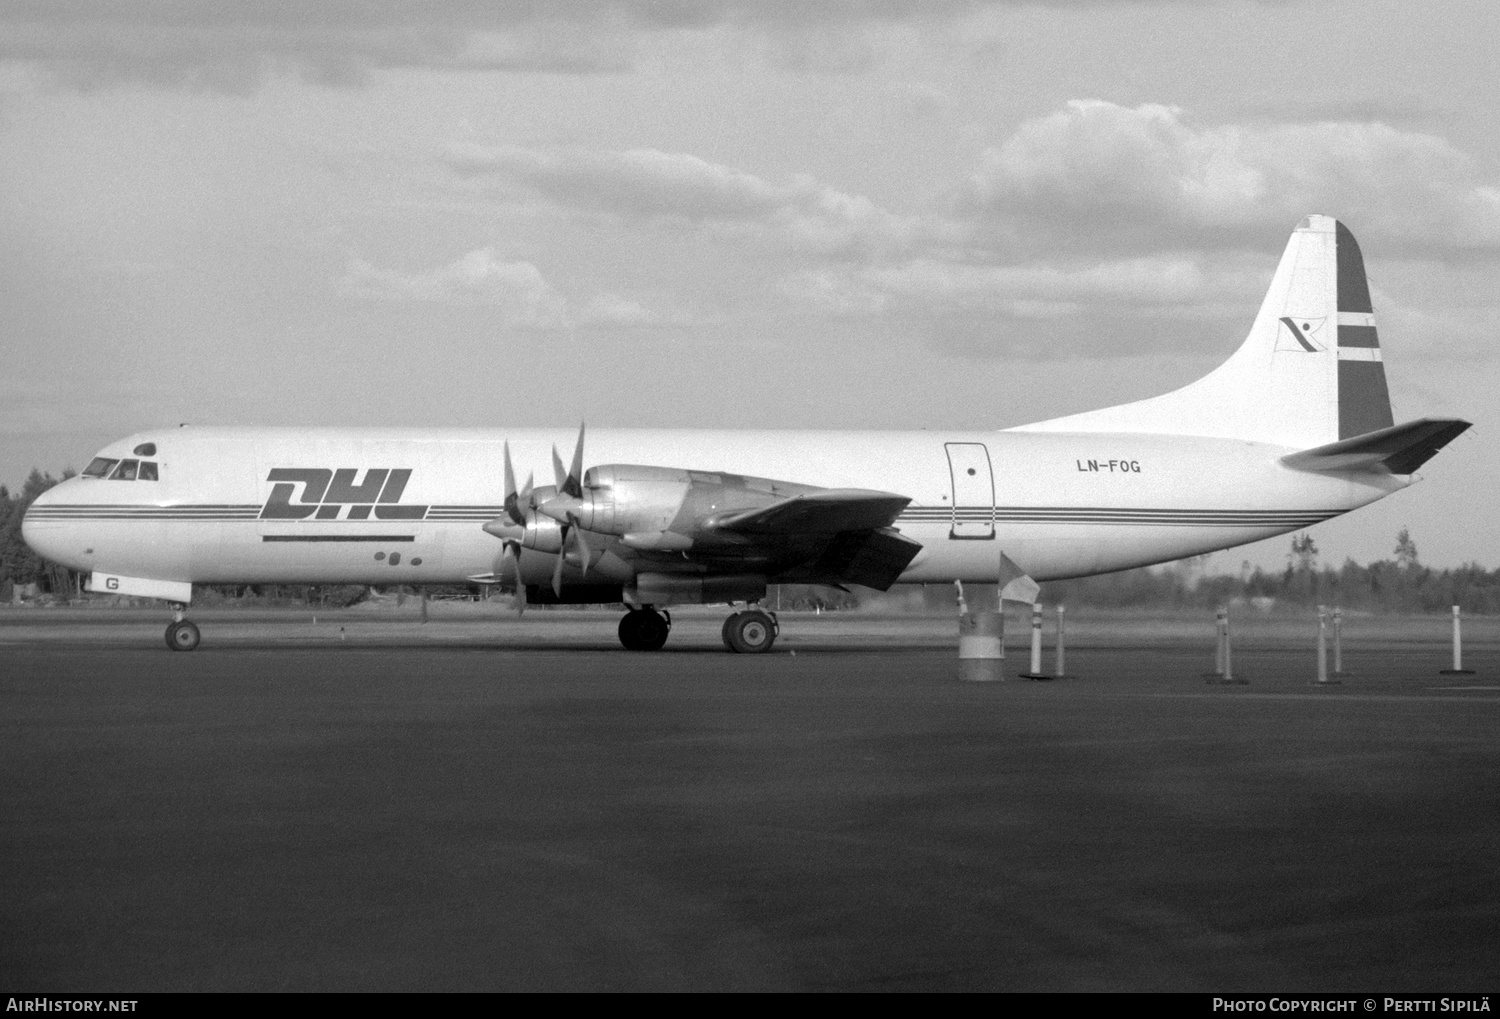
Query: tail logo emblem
{"type": "Point", "coordinates": [1300, 335]}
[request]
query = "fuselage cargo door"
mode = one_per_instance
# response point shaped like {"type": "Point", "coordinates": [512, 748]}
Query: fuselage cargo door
{"type": "Point", "coordinates": [973, 490]}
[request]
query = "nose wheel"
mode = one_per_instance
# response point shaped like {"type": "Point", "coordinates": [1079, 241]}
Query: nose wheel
{"type": "Point", "coordinates": [644, 630]}
{"type": "Point", "coordinates": [182, 635]}
{"type": "Point", "coordinates": [750, 633]}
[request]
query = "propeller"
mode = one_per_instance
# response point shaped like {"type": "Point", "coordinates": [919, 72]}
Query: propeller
{"type": "Point", "coordinates": [520, 520]}
{"type": "Point", "coordinates": [563, 507]}
{"type": "Point", "coordinates": [511, 530]}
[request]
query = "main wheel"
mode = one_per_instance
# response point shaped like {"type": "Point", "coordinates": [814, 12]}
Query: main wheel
{"type": "Point", "coordinates": [643, 630]}
{"type": "Point", "coordinates": [725, 631]}
{"type": "Point", "coordinates": [750, 633]}
{"type": "Point", "coordinates": [182, 635]}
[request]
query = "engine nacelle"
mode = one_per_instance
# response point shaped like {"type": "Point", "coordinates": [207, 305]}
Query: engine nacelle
{"type": "Point", "coordinates": [542, 534]}
{"type": "Point", "coordinates": [622, 499]}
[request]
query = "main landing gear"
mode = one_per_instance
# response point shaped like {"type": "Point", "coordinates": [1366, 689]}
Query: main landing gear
{"type": "Point", "coordinates": [182, 635]}
{"type": "Point", "coordinates": [644, 630]}
{"type": "Point", "coordinates": [751, 632]}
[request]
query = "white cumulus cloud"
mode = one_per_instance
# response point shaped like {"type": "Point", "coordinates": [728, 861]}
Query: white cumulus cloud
{"type": "Point", "coordinates": [683, 190]}
{"type": "Point", "coordinates": [518, 291]}
{"type": "Point", "coordinates": [1110, 174]}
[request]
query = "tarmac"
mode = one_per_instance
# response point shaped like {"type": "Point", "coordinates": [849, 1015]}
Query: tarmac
{"type": "Point", "coordinates": [371, 803]}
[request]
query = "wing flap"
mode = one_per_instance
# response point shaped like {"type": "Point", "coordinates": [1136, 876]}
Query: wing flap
{"type": "Point", "coordinates": [1400, 449]}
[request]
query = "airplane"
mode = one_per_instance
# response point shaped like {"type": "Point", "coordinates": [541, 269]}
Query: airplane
{"type": "Point", "coordinates": [1293, 429]}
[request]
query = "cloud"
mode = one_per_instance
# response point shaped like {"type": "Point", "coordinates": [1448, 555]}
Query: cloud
{"type": "Point", "coordinates": [522, 297]}
{"type": "Point", "coordinates": [1172, 285]}
{"type": "Point", "coordinates": [681, 190]}
{"type": "Point", "coordinates": [1105, 224]}
{"type": "Point", "coordinates": [231, 45]}
{"type": "Point", "coordinates": [1112, 175]}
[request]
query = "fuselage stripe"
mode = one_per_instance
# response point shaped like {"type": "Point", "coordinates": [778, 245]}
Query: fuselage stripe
{"type": "Point", "coordinates": [338, 537]}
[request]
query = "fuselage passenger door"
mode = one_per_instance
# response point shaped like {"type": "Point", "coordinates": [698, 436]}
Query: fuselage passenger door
{"type": "Point", "coordinates": [973, 491]}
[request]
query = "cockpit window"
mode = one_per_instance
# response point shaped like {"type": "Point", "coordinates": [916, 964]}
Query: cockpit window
{"type": "Point", "coordinates": [145, 449]}
{"type": "Point", "coordinates": [148, 471]}
{"type": "Point", "coordinates": [100, 467]}
{"type": "Point", "coordinates": [126, 471]}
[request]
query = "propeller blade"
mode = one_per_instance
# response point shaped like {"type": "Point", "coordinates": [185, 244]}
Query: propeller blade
{"type": "Point", "coordinates": [574, 485]}
{"type": "Point", "coordinates": [525, 496]}
{"type": "Point", "coordinates": [557, 576]}
{"type": "Point", "coordinates": [512, 506]}
{"type": "Point", "coordinates": [557, 471]}
{"type": "Point", "coordinates": [562, 508]}
{"type": "Point", "coordinates": [512, 557]}
{"type": "Point", "coordinates": [584, 555]}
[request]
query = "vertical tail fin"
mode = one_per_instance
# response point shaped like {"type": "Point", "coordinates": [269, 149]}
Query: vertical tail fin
{"type": "Point", "coordinates": [1308, 374]}
{"type": "Point", "coordinates": [1364, 399]}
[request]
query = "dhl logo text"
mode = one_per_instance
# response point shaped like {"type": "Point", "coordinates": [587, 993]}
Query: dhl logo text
{"type": "Point", "coordinates": [325, 494]}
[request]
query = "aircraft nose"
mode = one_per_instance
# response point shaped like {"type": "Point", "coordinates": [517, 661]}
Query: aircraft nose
{"type": "Point", "coordinates": [48, 532]}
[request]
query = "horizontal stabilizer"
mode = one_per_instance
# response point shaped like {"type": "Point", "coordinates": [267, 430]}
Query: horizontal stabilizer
{"type": "Point", "coordinates": [1399, 449]}
{"type": "Point", "coordinates": [825, 512]}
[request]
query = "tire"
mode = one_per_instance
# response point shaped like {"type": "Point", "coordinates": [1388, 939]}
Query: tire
{"type": "Point", "coordinates": [725, 631]}
{"type": "Point", "coordinates": [630, 631]}
{"type": "Point", "coordinates": [182, 636]}
{"type": "Point", "coordinates": [654, 631]}
{"type": "Point", "coordinates": [750, 633]}
{"type": "Point", "coordinates": [644, 630]}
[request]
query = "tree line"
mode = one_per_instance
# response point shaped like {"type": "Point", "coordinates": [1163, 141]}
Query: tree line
{"type": "Point", "coordinates": [19, 565]}
{"type": "Point", "coordinates": [1400, 584]}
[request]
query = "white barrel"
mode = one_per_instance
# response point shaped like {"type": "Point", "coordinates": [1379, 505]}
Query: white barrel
{"type": "Point", "coordinates": [981, 646]}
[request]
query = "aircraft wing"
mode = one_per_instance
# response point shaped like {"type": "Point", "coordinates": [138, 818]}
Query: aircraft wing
{"type": "Point", "coordinates": [824, 512]}
{"type": "Point", "coordinates": [845, 534]}
{"type": "Point", "coordinates": [826, 536]}
{"type": "Point", "coordinates": [1399, 449]}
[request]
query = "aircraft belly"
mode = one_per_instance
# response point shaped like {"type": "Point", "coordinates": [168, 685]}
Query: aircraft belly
{"type": "Point", "coordinates": [1059, 551]}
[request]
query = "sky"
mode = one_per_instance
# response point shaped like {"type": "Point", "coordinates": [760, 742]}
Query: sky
{"type": "Point", "coordinates": [733, 213]}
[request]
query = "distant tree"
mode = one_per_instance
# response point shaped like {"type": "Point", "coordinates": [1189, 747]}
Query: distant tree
{"type": "Point", "coordinates": [1304, 552]}
{"type": "Point", "coordinates": [18, 563]}
{"type": "Point", "coordinates": [1406, 550]}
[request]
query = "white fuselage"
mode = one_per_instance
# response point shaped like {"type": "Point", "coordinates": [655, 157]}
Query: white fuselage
{"type": "Point", "coordinates": [1057, 504]}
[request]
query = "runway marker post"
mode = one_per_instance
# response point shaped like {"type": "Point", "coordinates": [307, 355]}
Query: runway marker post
{"type": "Point", "coordinates": [1338, 643]}
{"type": "Point", "coordinates": [1218, 672]}
{"type": "Point", "coordinates": [1323, 679]}
{"type": "Point", "coordinates": [1036, 645]}
{"type": "Point", "coordinates": [1061, 673]}
{"type": "Point", "coordinates": [1458, 650]}
{"type": "Point", "coordinates": [1224, 659]}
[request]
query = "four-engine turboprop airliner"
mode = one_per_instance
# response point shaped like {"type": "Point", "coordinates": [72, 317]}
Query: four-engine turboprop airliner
{"type": "Point", "coordinates": [1293, 429]}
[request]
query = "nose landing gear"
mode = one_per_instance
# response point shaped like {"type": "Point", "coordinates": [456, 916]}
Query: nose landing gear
{"type": "Point", "coordinates": [182, 635]}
